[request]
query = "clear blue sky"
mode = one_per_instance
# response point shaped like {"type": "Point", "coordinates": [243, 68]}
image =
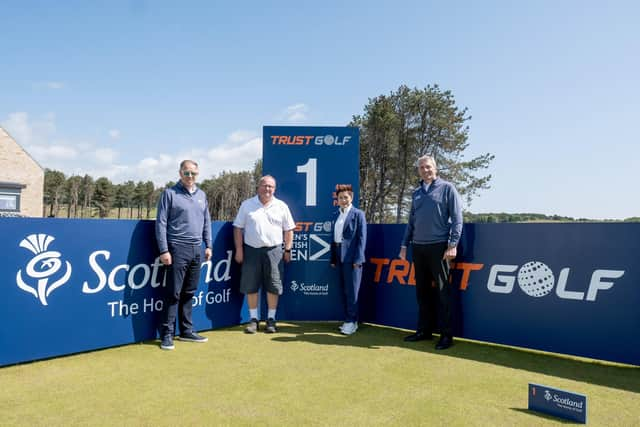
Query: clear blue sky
{"type": "Point", "coordinates": [126, 89]}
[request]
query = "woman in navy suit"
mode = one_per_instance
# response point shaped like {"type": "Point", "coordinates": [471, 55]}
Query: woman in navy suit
{"type": "Point", "coordinates": [347, 253]}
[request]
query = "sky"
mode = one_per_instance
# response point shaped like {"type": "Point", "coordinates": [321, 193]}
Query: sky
{"type": "Point", "coordinates": [127, 89]}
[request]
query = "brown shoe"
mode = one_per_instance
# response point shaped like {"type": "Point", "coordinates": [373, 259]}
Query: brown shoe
{"type": "Point", "coordinates": [252, 327]}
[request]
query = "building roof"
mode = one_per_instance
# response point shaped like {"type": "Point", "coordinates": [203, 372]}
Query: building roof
{"type": "Point", "coordinates": [4, 131]}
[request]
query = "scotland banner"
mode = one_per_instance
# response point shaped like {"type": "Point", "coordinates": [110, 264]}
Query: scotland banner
{"type": "Point", "coordinates": [76, 285]}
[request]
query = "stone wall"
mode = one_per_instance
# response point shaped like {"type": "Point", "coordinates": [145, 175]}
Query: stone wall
{"type": "Point", "coordinates": [18, 167]}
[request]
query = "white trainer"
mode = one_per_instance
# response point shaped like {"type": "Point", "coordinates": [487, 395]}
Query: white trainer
{"type": "Point", "coordinates": [349, 328]}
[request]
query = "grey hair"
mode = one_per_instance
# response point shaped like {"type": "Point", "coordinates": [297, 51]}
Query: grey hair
{"type": "Point", "coordinates": [265, 177]}
{"type": "Point", "coordinates": [184, 162]}
{"type": "Point", "coordinates": [427, 158]}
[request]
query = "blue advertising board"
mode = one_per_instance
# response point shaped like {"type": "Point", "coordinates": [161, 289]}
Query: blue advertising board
{"type": "Point", "coordinates": [564, 288]}
{"type": "Point", "coordinates": [307, 163]}
{"type": "Point", "coordinates": [76, 285]}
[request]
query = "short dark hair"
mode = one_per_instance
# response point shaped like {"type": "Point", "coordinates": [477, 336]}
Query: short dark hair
{"type": "Point", "coordinates": [344, 187]}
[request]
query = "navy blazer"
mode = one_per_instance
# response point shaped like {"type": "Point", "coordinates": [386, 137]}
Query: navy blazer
{"type": "Point", "coordinates": [354, 238]}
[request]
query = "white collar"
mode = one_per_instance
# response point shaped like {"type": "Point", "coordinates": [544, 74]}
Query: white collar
{"type": "Point", "coordinates": [346, 210]}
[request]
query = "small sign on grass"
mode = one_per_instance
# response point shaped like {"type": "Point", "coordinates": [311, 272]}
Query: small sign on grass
{"type": "Point", "coordinates": [559, 403]}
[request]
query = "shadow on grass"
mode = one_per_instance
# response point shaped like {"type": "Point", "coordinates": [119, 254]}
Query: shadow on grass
{"type": "Point", "coordinates": [623, 377]}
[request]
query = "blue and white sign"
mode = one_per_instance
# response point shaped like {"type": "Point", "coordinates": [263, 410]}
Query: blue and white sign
{"type": "Point", "coordinates": [307, 163]}
{"type": "Point", "coordinates": [559, 403]}
{"type": "Point", "coordinates": [76, 285]}
{"type": "Point", "coordinates": [564, 288]}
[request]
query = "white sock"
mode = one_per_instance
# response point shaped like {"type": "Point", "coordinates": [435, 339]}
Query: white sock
{"type": "Point", "coordinates": [271, 314]}
{"type": "Point", "coordinates": [253, 313]}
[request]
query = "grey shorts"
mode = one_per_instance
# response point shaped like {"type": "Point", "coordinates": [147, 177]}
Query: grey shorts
{"type": "Point", "coordinates": [262, 267]}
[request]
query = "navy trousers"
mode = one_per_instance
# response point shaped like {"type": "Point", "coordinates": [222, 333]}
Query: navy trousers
{"type": "Point", "coordinates": [350, 279]}
{"type": "Point", "coordinates": [182, 278]}
{"type": "Point", "coordinates": [434, 304]}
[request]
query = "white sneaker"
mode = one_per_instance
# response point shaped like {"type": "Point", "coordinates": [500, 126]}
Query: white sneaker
{"type": "Point", "coordinates": [349, 328]}
{"type": "Point", "coordinates": [342, 326]}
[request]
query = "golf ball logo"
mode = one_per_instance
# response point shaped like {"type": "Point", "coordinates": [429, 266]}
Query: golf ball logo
{"type": "Point", "coordinates": [536, 279]}
{"type": "Point", "coordinates": [329, 140]}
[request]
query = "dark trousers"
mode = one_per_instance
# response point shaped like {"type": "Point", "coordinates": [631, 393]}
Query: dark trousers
{"type": "Point", "coordinates": [182, 278]}
{"type": "Point", "coordinates": [434, 304]}
{"type": "Point", "coordinates": [350, 279]}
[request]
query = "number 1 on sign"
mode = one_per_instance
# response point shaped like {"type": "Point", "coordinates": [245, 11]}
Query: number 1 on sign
{"type": "Point", "coordinates": [311, 170]}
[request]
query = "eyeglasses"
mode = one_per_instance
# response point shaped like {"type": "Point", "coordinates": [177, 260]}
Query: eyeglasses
{"type": "Point", "coordinates": [189, 173]}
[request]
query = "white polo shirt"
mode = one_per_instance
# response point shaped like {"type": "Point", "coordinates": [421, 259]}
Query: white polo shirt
{"type": "Point", "coordinates": [263, 225]}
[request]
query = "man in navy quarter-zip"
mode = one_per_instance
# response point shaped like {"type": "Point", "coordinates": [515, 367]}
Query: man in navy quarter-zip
{"type": "Point", "coordinates": [182, 224]}
{"type": "Point", "coordinates": [434, 229]}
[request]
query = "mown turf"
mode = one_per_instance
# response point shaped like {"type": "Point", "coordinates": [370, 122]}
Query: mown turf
{"type": "Point", "coordinates": [308, 374]}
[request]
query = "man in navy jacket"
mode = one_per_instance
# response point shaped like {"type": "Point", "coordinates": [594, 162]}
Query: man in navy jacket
{"type": "Point", "coordinates": [182, 224]}
{"type": "Point", "coordinates": [434, 229]}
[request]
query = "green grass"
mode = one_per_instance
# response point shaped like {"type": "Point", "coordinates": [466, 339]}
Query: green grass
{"type": "Point", "coordinates": [308, 374]}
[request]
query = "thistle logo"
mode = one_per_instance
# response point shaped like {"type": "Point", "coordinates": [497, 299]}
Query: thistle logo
{"type": "Point", "coordinates": [294, 285]}
{"type": "Point", "coordinates": [547, 395]}
{"type": "Point", "coordinates": [42, 267]}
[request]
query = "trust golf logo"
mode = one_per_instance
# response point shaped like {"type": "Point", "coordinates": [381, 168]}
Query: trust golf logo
{"type": "Point", "coordinates": [536, 279]}
{"type": "Point", "coordinates": [43, 269]}
{"type": "Point", "coordinates": [547, 395]}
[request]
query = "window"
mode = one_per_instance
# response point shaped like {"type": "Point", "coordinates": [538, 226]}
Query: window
{"type": "Point", "coordinates": [10, 196]}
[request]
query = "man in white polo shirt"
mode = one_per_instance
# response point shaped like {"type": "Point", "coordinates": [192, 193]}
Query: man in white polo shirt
{"type": "Point", "coordinates": [262, 224]}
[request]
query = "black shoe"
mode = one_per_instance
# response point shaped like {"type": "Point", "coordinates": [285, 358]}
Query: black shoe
{"type": "Point", "coordinates": [271, 326]}
{"type": "Point", "coordinates": [192, 337]}
{"type": "Point", "coordinates": [418, 336]}
{"type": "Point", "coordinates": [444, 343]}
{"type": "Point", "coordinates": [252, 327]}
{"type": "Point", "coordinates": [167, 343]}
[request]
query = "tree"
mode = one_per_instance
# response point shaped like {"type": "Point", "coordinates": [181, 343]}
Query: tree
{"type": "Point", "coordinates": [120, 198]}
{"type": "Point", "coordinates": [104, 196]}
{"type": "Point", "coordinates": [139, 197]}
{"type": "Point", "coordinates": [54, 185]}
{"type": "Point", "coordinates": [87, 188]}
{"type": "Point", "coordinates": [73, 185]}
{"type": "Point", "coordinates": [398, 128]}
{"type": "Point", "coordinates": [377, 149]}
{"type": "Point", "coordinates": [150, 198]}
{"type": "Point", "coordinates": [128, 193]}
{"type": "Point", "coordinates": [257, 172]}
{"type": "Point", "coordinates": [226, 192]}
